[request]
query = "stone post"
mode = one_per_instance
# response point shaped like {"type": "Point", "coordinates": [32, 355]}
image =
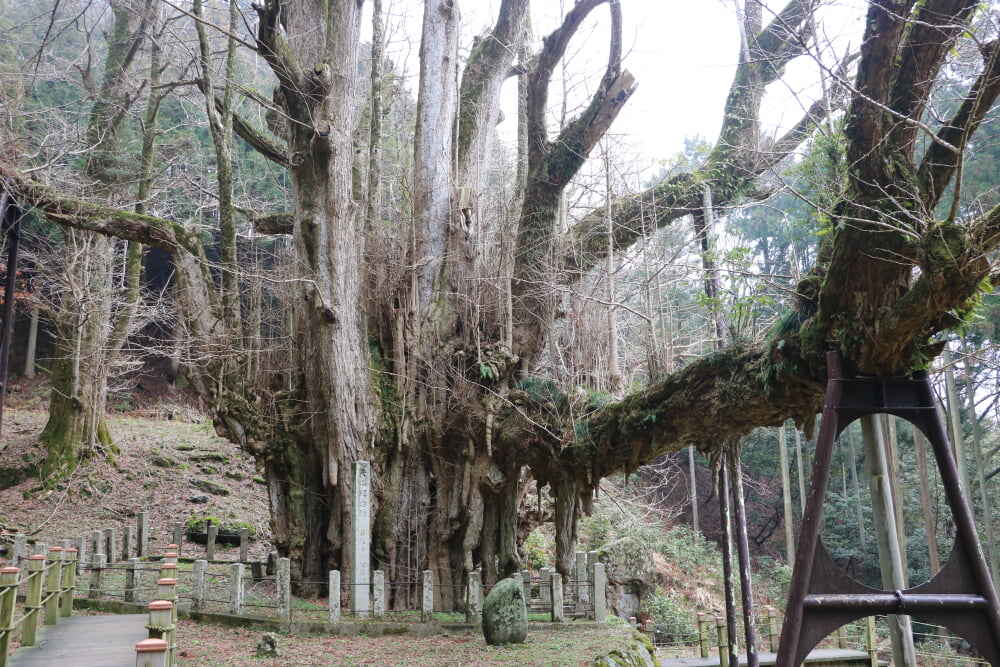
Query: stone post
{"type": "Point", "coordinates": [598, 594]}
{"type": "Point", "coordinates": [556, 597]}
{"type": "Point", "coordinates": [96, 575]}
{"type": "Point", "coordinates": [334, 595]}
{"type": "Point", "coordinates": [526, 586]}
{"type": "Point", "coordinates": [177, 537]}
{"type": "Point", "coordinates": [236, 588]}
{"type": "Point", "coordinates": [142, 530]}
{"type": "Point", "coordinates": [361, 544]}
{"type": "Point", "coordinates": [128, 542]}
{"type": "Point", "coordinates": [81, 554]}
{"type": "Point", "coordinates": [378, 593]}
{"type": "Point", "coordinates": [545, 588]}
{"type": "Point", "coordinates": [97, 542]}
{"type": "Point", "coordinates": [427, 596]}
{"type": "Point", "coordinates": [198, 584]}
{"type": "Point", "coordinates": [581, 591]}
{"type": "Point", "coordinates": [20, 550]}
{"type": "Point", "coordinates": [475, 597]}
{"type": "Point", "coordinates": [213, 534]}
{"type": "Point", "coordinates": [111, 545]}
{"type": "Point", "coordinates": [244, 544]}
{"type": "Point", "coordinates": [131, 580]}
{"type": "Point", "coordinates": [41, 549]}
{"type": "Point", "coordinates": [284, 579]}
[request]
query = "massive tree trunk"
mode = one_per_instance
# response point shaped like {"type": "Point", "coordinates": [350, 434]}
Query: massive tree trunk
{"type": "Point", "coordinates": [98, 303]}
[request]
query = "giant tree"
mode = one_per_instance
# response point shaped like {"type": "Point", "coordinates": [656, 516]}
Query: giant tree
{"type": "Point", "coordinates": [432, 373]}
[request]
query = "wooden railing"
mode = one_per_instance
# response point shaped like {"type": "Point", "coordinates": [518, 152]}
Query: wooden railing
{"type": "Point", "coordinates": [49, 586]}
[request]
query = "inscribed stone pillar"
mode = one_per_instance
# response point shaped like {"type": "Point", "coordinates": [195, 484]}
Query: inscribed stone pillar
{"type": "Point", "coordinates": [475, 606]}
{"type": "Point", "coordinates": [427, 596]}
{"type": "Point", "coordinates": [599, 593]}
{"type": "Point", "coordinates": [334, 595]}
{"type": "Point", "coordinates": [361, 523]}
{"type": "Point", "coordinates": [556, 590]}
{"type": "Point", "coordinates": [378, 593]}
{"type": "Point", "coordinates": [142, 528]}
{"type": "Point", "coordinates": [545, 587]}
{"type": "Point", "coordinates": [580, 574]}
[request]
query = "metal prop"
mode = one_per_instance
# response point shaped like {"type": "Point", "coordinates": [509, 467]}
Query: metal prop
{"type": "Point", "coordinates": [822, 597]}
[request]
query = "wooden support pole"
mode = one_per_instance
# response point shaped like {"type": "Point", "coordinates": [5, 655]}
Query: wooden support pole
{"type": "Point", "coordinates": [53, 579]}
{"type": "Point", "coordinates": [33, 600]}
{"type": "Point", "coordinates": [68, 587]}
{"type": "Point", "coordinates": [8, 595]}
{"type": "Point", "coordinates": [151, 653]}
{"type": "Point", "coordinates": [723, 636]}
{"type": "Point", "coordinates": [704, 633]}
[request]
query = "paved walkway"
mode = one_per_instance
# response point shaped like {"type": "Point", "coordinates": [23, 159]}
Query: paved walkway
{"type": "Point", "coordinates": [820, 657]}
{"type": "Point", "coordinates": [85, 641]}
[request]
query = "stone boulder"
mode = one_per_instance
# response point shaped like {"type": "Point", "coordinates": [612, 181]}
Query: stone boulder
{"type": "Point", "coordinates": [505, 615]}
{"type": "Point", "coordinates": [631, 574]}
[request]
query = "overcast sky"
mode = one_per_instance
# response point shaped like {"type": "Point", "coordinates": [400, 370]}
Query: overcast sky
{"type": "Point", "coordinates": [681, 52]}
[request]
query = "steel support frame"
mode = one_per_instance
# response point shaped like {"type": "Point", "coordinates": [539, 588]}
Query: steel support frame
{"type": "Point", "coordinates": [822, 597]}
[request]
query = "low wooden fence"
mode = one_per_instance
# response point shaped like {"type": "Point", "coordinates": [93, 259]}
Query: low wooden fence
{"type": "Point", "coordinates": [48, 583]}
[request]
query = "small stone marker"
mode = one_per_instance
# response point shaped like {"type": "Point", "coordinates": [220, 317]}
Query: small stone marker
{"type": "Point", "coordinates": [505, 615]}
{"type": "Point", "coordinates": [267, 647]}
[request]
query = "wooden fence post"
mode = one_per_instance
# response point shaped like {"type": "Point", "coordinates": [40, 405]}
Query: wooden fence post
{"type": "Point", "coordinates": [235, 588]}
{"type": "Point", "coordinates": [131, 580]}
{"type": "Point", "coordinates": [96, 575]}
{"type": "Point", "coordinates": [427, 596]}
{"type": "Point", "coordinates": [198, 584]}
{"type": "Point", "coordinates": [720, 628]}
{"type": "Point", "coordinates": [871, 640]}
{"type": "Point", "coordinates": [68, 586]}
{"type": "Point", "coordinates": [283, 576]}
{"type": "Point", "coordinates": [703, 633]}
{"type": "Point", "coordinates": [142, 530]}
{"type": "Point", "coordinates": [334, 594]}
{"type": "Point", "coordinates": [8, 595]}
{"type": "Point", "coordinates": [151, 653]}
{"type": "Point", "coordinates": [161, 624]}
{"type": "Point", "coordinates": [53, 578]}
{"type": "Point", "coordinates": [556, 597]}
{"type": "Point", "coordinates": [33, 600]}
{"type": "Point", "coordinates": [773, 629]}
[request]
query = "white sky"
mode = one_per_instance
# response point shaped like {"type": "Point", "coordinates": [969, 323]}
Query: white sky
{"type": "Point", "coordinates": [682, 53]}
